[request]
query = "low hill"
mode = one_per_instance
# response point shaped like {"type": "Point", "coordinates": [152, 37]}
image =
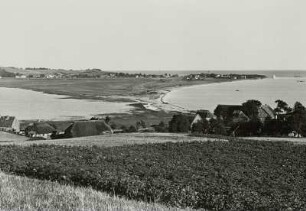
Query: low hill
{"type": "Point", "coordinates": [20, 193]}
{"type": "Point", "coordinates": [28, 71]}
{"type": "Point", "coordinates": [34, 70]}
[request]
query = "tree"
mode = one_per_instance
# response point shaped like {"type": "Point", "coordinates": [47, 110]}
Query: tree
{"type": "Point", "coordinates": [282, 107]}
{"type": "Point", "coordinates": [132, 129]}
{"type": "Point", "coordinates": [140, 124]}
{"type": "Point", "coordinates": [217, 127]}
{"type": "Point", "coordinates": [161, 127]}
{"type": "Point", "coordinates": [298, 119]}
{"type": "Point", "coordinates": [298, 107]}
{"type": "Point", "coordinates": [250, 108]}
{"type": "Point", "coordinates": [252, 128]}
{"type": "Point", "coordinates": [200, 127]}
{"type": "Point", "coordinates": [179, 123]}
{"type": "Point", "coordinates": [124, 128]}
{"type": "Point", "coordinates": [276, 127]}
{"type": "Point", "coordinates": [113, 126]}
{"type": "Point", "coordinates": [107, 119]}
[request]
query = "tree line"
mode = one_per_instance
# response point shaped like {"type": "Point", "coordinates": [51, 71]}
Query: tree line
{"type": "Point", "coordinates": [288, 121]}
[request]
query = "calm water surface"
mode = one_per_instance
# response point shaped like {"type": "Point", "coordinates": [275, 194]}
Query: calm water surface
{"type": "Point", "coordinates": [267, 91]}
{"type": "Point", "coordinates": [27, 104]}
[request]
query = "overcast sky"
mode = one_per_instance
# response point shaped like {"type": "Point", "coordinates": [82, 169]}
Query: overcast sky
{"type": "Point", "coordinates": [154, 34]}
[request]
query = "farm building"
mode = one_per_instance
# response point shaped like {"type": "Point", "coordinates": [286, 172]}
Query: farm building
{"type": "Point", "coordinates": [239, 116]}
{"type": "Point", "coordinates": [87, 128]}
{"type": "Point", "coordinates": [264, 112]}
{"type": "Point", "coordinates": [39, 129]}
{"type": "Point", "coordinates": [9, 123]}
{"type": "Point", "coordinates": [225, 112]}
{"type": "Point", "coordinates": [202, 114]}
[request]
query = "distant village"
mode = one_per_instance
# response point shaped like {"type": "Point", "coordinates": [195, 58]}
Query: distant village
{"type": "Point", "coordinates": [203, 76]}
{"type": "Point", "coordinates": [46, 73]}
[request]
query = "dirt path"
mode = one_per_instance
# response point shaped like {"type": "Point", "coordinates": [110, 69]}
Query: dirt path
{"type": "Point", "coordinates": [293, 140]}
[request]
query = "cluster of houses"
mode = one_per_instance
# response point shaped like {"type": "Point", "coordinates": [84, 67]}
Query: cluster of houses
{"type": "Point", "coordinates": [230, 114]}
{"type": "Point", "coordinates": [203, 76]}
{"type": "Point", "coordinates": [48, 130]}
{"type": "Point", "coordinates": [234, 114]}
{"type": "Point", "coordinates": [90, 74]}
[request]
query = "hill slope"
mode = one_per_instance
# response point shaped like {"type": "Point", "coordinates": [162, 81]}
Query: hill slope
{"type": "Point", "coordinates": [19, 193]}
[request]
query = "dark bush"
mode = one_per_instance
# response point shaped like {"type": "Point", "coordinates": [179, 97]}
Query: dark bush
{"type": "Point", "coordinates": [132, 129]}
{"type": "Point", "coordinates": [161, 127]}
{"type": "Point", "coordinates": [180, 123]}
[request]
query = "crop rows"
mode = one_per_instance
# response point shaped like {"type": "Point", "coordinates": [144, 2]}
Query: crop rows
{"type": "Point", "coordinates": [238, 175]}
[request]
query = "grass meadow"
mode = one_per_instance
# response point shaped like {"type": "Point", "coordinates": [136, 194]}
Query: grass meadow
{"type": "Point", "coordinates": [20, 193]}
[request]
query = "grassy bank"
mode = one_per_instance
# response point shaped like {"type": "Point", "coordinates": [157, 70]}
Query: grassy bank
{"type": "Point", "coordinates": [19, 193]}
{"type": "Point", "coordinates": [236, 175]}
{"type": "Point", "coordinates": [105, 140]}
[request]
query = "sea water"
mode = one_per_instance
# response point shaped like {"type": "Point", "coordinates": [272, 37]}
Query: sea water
{"type": "Point", "coordinates": [27, 104]}
{"type": "Point", "coordinates": [288, 89]}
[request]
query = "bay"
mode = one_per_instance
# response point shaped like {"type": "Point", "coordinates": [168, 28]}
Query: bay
{"type": "Point", "coordinates": [27, 105]}
{"type": "Point", "coordinates": [289, 89]}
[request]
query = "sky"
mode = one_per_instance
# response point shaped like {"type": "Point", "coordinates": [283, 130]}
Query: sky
{"type": "Point", "coordinates": [154, 34]}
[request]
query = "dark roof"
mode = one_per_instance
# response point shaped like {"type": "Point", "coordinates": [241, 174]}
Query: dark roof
{"type": "Point", "coordinates": [229, 107]}
{"type": "Point", "coordinates": [7, 121]}
{"type": "Point", "coordinates": [239, 116]}
{"type": "Point", "coordinates": [60, 126]}
{"type": "Point", "coordinates": [227, 110]}
{"type": "Point", "coordinates": [40, 128]}
{"type": "Point", "coordinates": [87, 128]}
{"type": "Point", "coordinates": [204, 114]}
{"type": "Point", "coordinates": [268, 110]}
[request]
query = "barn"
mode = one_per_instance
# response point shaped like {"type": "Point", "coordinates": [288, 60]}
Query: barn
{"type": "Point", "coordinates": [87, 128]}
{"type": "Point", "coordinates": [39, 129]}
{"type": "Point", "coordinates": [9, 124]}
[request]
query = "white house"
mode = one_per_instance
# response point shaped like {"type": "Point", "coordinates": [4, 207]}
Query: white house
{"type": "Point", "coordinates": [202, 114]}
{"type": "Point", "coordinates": [9, 123]}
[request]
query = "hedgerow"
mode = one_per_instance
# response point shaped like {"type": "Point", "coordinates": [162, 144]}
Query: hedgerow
{"type": "Point", "coordinates": [239, 175]}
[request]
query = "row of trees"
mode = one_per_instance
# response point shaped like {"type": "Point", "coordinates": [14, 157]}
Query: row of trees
{"type": "Point", "coordinates": [288, 120]}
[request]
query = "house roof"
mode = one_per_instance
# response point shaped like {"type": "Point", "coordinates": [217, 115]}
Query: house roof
{"type": "Point", "coordinates": [87, 128]}
{"type": "Point", "coordinates": [204, 114]}
{"type": "Point", "coordinates": [268, 110]}
{"type": "Point", "coordinates": [41, 128]}
{"type": "Point", "coordinates": [227, 110]}
{"type": "Point", "coordinates": [60, 126]}
{"type": "Point", "coordinates": [7, 121]}
{"type": "Point", "coordinates": [239, 116]}
{"type": "Point", "coordinates": [229, 107]}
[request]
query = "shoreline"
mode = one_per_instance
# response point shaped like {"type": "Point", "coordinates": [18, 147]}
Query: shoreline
{"type": "Point", "coordinates": [160, 103]}
{"type": "Point", "coordinates": [150, 101]}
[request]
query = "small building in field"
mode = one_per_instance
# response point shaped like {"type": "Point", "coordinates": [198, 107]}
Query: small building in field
{"type": "Point", "coordinates": [201, 115]}
{"type": "Point", "coordinates": [87, 128]}
{"type": "Point", "coordinates": [39, 130]}
{"type": "Point", "coordinates": [265, 112]}
{"type": "Point", "coordinates": [9, 124]}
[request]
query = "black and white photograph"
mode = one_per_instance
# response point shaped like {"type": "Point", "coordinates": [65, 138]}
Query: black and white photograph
{"type": "Point", "coordinates": [152, 105]}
